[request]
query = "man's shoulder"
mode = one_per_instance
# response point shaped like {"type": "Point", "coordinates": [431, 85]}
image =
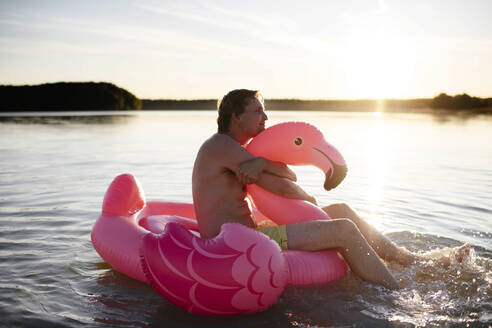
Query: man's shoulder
{"type": "Point", "coordinates": [224, 150]}
{"type": "Point", "coordinates": [221, 140]}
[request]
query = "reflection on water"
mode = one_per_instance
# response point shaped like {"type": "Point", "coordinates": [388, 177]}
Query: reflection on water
{"type": "Point", "coordinates": [459, 117]}
{"type": "Point", "coordinates": [423, 181]}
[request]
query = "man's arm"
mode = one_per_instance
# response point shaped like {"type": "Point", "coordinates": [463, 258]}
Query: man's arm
{"type": "Point", "coordinates": [231, 155]}
{"type": "Point", "coordinates": [258, 170]}
{"type": "Point", "coordinates": [281, 170]}
{"type": "Point", "coordinates": [227, 152]}
{"type": "Point", "coordinates": [249, 171]}
{"type": "Point", "coordinates": [283, 187]}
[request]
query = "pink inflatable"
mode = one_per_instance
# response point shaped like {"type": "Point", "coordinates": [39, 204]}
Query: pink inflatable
{"type": "Point", "coordinates": [240, 270]}
{"type": "Point", "coordinates": [298, 143]}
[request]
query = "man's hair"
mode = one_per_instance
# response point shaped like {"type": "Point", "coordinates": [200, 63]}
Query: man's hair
{"type": "Point", "coordinates": [234, 103]}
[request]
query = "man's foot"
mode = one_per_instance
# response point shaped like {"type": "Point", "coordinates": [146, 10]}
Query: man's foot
{"type": "Point", "coordinates": [450, 256]}
{"type": "Point", "coordinates": [444, 257]}
{"type": "Point", "coordinates": [462, 253]}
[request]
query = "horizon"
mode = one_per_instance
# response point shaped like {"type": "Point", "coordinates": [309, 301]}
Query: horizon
{"type": "Point", "coordinates": [270, 99]}
{"type": "Point", "coordinates": [355, 50]}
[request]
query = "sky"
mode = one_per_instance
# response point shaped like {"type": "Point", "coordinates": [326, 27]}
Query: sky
{"type": "Point", "coordinates": [347, 49]}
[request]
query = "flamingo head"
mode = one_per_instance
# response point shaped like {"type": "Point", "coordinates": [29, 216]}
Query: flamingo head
{"type": "Point", "coordinates": [299, 143]}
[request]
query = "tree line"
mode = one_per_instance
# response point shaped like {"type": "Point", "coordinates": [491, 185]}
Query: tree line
{"type": "Point", "coordinates": [459, 102]}
{"type": "Point", "coordinates": [66, 96]}
{"type": "Point", "coordinates": [85, 96]}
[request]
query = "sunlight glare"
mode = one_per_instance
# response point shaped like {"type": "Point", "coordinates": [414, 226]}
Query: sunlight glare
{"type": "Point", "coordinates": [380, 105]}
{"type": "Point", "coordinates": [378, 66]}
{"type": "Point", "coordinates": [377, 156]}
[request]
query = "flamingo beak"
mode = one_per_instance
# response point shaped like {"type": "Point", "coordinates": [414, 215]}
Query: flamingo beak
{"type": "Point", "coordinates": [330, 161]}
{"type": "Point", "coordinates": [333, 180]}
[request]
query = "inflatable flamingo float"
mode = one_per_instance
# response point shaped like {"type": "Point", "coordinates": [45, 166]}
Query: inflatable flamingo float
{"type": "Point", "coordinates": [239, 271]}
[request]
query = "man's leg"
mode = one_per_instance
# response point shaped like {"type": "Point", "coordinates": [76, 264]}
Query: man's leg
{"type": "Point", "coordinates": [384, 247]}
{"type": "Point", "coordinates": [343, 235]}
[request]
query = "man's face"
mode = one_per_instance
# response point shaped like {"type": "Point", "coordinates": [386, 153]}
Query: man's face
{"type": "Point", "coordinates": [252, 120]}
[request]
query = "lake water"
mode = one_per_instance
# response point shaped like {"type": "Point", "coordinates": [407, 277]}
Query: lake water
{"type": "Point", "coordinates": [424, 180]}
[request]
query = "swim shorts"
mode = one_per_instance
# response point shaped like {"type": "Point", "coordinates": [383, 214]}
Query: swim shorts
{"type": "Point", "coordinates": [277, 234]}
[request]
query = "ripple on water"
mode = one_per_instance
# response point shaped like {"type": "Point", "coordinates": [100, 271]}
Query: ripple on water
{"type": "Point", "coordinates": [51, 195]}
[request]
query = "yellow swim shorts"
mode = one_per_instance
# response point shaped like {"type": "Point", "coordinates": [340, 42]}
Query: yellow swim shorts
{"type": "Point", "coordinates": [277, 234]}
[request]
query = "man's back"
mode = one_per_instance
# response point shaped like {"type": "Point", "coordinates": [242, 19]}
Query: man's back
{"type": "Point", "coordinates": [218, 195]}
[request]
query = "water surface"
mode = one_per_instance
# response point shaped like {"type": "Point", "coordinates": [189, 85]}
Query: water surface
{"type": "Point", "coordinates": [423, 180]}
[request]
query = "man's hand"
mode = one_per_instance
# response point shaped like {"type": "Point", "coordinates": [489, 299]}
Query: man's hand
{"type": "Point", "coordinates": [248, 172]}
{"type": "Point", "coordinates": [284, 187]}
{"type": "Point", "coordinates": [312, 200]}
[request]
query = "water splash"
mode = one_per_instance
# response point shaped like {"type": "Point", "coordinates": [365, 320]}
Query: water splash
{"type": "Point", "coordinates": [436, 294]}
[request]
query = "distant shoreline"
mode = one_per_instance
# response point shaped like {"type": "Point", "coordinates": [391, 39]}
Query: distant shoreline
{"type": "Point", "coordinates": [296, 105]}
{"type": "Point", "coordinates": [420, 105]}
{"type": "Point", "coordinates": [61, 113]}
{"type": "Point", "coordinates": [102, 96]}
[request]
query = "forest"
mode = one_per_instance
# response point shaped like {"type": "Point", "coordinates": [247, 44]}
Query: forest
{"type": "Point", "coordinates": [67, 96]}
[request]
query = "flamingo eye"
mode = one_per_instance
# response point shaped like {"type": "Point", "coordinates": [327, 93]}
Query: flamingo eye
{"type": "Point", "coordinates": [298, 141]}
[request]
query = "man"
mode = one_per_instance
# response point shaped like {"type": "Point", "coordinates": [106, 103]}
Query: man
{"type": "Point", "coordinates": [223, 167]}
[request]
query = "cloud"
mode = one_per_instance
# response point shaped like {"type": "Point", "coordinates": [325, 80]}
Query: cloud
{"type": "Point", "coordinates": [249, 28]}
{"type": "Point", "coordinates": [82, 36]}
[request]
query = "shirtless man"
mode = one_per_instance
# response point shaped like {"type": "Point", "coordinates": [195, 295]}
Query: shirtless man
{"type": "Point", "coordinates": [223, 167]}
